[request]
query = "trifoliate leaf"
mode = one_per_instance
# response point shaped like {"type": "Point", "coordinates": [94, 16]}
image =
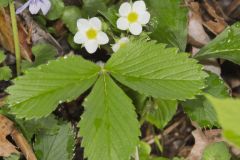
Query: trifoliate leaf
{"type": "Point", "coordinates": [228, 110]}
{"type": "Point", "coordinates": [216, 151]}
{"type": "Point", "coordinates": [56, 11]}
{"type": "Point", "coordinates": [109, 125]}
{"type": "Point", "coordinates": [154, 70]}
{"type": "Point", "coordinates": [70, 16]}
{"type": "Point", "coordinates": [216, 86]}
{"type": "Point", "coordinates": [38, 93]}
{"type": "Point", "coordinates": [55, 147]}
{"type": "Point", "coordinates": [5, 73]}
{"type": "Point", "coordinates": [225, 45]}
{"type": "Point", "coordinates": [2, 56]}
{"type": "Point", "coordinates": [169, 19]}
{"type": "Point", "coordinates": [161, 112]}
{"type": "Point", "coordinates": [43, 52]}
{"type": "Point", "coordinates": [201, 111]}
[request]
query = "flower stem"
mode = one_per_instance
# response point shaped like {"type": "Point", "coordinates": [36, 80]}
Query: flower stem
{"type": "Point", "coordinates": [137, 154]}
{"type": "Point", "coordinates": [15, 36]}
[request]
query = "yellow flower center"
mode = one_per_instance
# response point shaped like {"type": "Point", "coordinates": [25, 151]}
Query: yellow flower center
{"type": "Point", "coordinates": [132, 17]}
{"type": "Point", "coordinates": [91, 33]}
{"type": "Point", "coordinates": [122, 44]}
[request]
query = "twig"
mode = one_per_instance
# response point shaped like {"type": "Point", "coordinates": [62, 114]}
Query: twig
{"type": "Point", "coordinates": [151, 139]}
{"type": "Point", "coordinates": [23, 145]}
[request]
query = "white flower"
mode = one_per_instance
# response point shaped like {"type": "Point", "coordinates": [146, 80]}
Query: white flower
{"type": "Point", "coordinates": [133, 17]}
{"type": "Point", "coordinates": [90, 34]}
{"type": "Point", "coordinates": [120, 43]}
{"type": "Point", "coordinates": [35, 6]}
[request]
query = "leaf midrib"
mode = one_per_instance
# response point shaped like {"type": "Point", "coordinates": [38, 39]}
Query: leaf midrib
{"type": "Point", "coordinates": [135, 77]}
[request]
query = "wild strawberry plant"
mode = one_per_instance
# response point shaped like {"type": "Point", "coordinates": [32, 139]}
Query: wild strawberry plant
{"type": "Point", "coordinates": [146, 78]}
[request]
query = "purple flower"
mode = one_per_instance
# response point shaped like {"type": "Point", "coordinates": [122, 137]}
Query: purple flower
{"type": "Point", "coordinates": [35, 6]}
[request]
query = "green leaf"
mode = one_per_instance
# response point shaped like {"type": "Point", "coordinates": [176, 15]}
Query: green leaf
{"type": "Point", "coordinates": [55, 147]}
{"type": "Point", "coordinates": [139, 100]}
{"type": "Point", "coordinates": [170, 22]}
{"type": "Point", "coordinates": [70, 16]}
{"type": "Point", "coordinates": [91, 7]}
{"type": "Point", "coordinates": [161, 112]}
{"type": "Point", "coordinates": [4, 3]}
{"type": "Point", "coordinates": [216, 86]}
{"type": "Point", "coordinates": [12, 157]}
{"type": "Point", "coordinates": [2, 56]}
{"type": "Point", "coordinates": [43, 52]}
{"type": "Point", "coordinates": [111, 15]}
{"type": "Point", "coordinates": [154, 70]}
{"type": "Point", "coordinates": [38, 93]}
{"type": "Point", "coordinates": [228, 110]}
{"type": "Point", "coordinates": [201, 111]}
{"type": "Point", "coordinates": [144, 150]}
{"type": "Point", "coordinates": [216, 151]}
{"type": "Point", "coordinates": [225, 45]}
{"type": "Point", "coordinates": [56, 10]}
{"type": "Point", "coordinates": [71, 42]}
{"type": "Point", "coordinates": [159, 158]}
{"type": "Point", "coordinates": [48, 125]}
{"type": "Point", "coordinates": [5, 73]}
{"type": "Point", "coordinates": [178, 158]}
{"type": "Point", "coordinates": [109, 125]}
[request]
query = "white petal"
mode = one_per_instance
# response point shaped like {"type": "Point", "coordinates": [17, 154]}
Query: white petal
{"type": "Point", "coordinates": [115, 47]}
{"type": "Point", "coordinates": [91, 46]}
{"type": "Point", "coordinates": [102, 38]}
{"type": "Point", "coordinates": [139, 6]}
{"type": "Point", "coordinates": [122, 23]}
{"type": "Point", "coordinates": [83, 24]}
{"type": "Point", "coordinates": [125, 9]}
{"type": "Point", "coordinates": [23, 7]}
{"type": "Point", "coordinates": [124, 40]}
{"type": "Point", "coordinates": [79, 38]}
{"type": "Point", "coordinates": [135, 28]}
{"type": "Point", "coordinates": [144, 18]}
{"type": "Point", "coordinates": [95, 23]}
{"type": "Point", "coordinates": [34, 7]}
{"type": "Point", "coordinates": [45, 6]}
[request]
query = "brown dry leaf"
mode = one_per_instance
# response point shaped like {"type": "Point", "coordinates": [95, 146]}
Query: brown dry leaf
{"type": "Point", "coordinates": [6, 148]}
{"type": "Point", "coordinates": [38, 34]}
{"type": "Point", "coordinates": [202, 140]}
{"type": "Point", "coordinates": [6, 36]}
{"type": "Point", "coordinates": [197, 35]}
{"type": "Point", "coordinates": [6, 128]}
{"type": "Point", "coordinates": [233, 6]}
{"type": "Point", "coordinates": [217, 24]}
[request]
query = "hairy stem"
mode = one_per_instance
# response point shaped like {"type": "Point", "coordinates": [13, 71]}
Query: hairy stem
{"type": "Point", "coordinates": [15, 36]}
{"type": "Point", "coordinates": [137, 154]}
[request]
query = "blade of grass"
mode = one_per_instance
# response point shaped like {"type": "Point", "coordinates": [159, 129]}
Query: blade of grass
{"type": "Point", "coordinates": [15, 36]}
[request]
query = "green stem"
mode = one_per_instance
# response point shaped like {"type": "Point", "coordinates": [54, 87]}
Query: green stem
{"type": "Point", "coordinates": [15, 36]}
{"type": "Point", "coordinates": [137, 154]}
